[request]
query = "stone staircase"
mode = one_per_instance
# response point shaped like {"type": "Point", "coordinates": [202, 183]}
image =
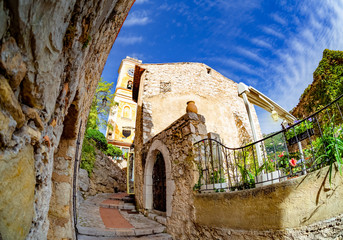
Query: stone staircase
{"type": "Point", "coordinates": [113, 216]}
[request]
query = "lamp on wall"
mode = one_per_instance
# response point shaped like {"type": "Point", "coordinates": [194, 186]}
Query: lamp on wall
{"type": "Point", "coordinates": [275, 116]}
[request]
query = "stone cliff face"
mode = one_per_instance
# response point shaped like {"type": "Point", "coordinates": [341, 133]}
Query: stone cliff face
{"type": "Point", "coordinates": [51, 56]}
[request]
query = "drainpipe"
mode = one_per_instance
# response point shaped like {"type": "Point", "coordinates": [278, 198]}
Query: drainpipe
{"type": "Point", "coordinates": [242, 89]}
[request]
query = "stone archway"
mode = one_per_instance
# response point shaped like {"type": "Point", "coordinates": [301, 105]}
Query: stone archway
{"type": "Point", "coordinates": [156, 148]}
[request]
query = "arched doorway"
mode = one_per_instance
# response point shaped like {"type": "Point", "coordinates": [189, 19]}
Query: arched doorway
{"type": "Point", "coordinates": [159, 184]}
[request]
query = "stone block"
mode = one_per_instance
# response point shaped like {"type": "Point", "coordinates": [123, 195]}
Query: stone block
{"type": "Point", "coordinates": [193, 116]}
{"type": "Point", "coordinates": [31, 113]}
{"type": "Point", "coordinates": [202, 129]}
{"type": "Point", "coordinates": [7, 127]}
{"type": "Point", "coordinates": [17, 189]}
{"type": "Point", "coordinates": [145, 231]}
{"type": "Point", "coordinates": [34, 134]}
{"type": "Point", "coordinates": [12, 62]}
{"type": "Point", "coordinates": [9, 102]}
{"type": "Point", "coordinates": [3, 20]}
{"type": "Point", "coordinates": [83, 180]}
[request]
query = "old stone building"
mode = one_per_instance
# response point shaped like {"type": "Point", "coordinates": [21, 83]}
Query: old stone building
{"type": "Point", "coordinates": [164, 135]}
{"type": "Point", "coordinates": [162, 90]}
{"type": "Point", "coordinates": [122, 117]}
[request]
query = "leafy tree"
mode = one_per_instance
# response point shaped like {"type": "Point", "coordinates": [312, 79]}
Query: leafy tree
{"type": "Point", "coordinates": [102, 102]}
{"type": "Point", "coordinates": [98, 137]}
{"type": "Point", "coordinates": [113, 151]}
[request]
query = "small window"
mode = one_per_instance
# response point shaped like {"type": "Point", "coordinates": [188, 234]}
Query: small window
{"type": "Point", "coordinates": [126, 112]}
{"type": "Point", "coordinates": [165, 87]}
{"type": "Point", "coordinates": [208, 70]}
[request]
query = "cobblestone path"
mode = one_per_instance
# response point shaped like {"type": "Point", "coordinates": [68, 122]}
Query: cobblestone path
{"type": "Point", "coordinates": [110, 216]}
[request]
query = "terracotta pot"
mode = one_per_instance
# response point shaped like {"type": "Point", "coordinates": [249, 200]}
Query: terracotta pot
{"type": "Point", "coordinates": [191, 107]}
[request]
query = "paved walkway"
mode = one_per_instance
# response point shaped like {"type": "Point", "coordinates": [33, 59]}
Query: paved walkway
{"type": "Point", "coordinates": [110, 216]}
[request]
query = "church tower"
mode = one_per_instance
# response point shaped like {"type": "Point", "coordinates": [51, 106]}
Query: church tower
{"type": "Point", "coordinates": [122, 116]}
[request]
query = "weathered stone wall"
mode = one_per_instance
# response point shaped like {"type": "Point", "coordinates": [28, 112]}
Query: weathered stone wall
{"type": "Point", "coordinates": [105, 177]}
{"type": "Point", "coordinates": [177, 139]}
{"type": "Point", "coordinates": [51, 56]}
{"type": "Point", "coordinates": [168, 87]}
{"type": "Point", "coordinates": [307, 207]}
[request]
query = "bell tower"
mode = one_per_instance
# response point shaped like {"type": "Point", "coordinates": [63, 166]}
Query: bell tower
{"type": "Point", "coordinates": [122, 117]}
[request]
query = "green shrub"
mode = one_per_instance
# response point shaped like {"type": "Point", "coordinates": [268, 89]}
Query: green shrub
{"type": "Point", "coordinates": [88, 156]}
{"type": "Point", "coordinates": [113, 151]}
{"type": "Point", "coordinates": [98, 137]}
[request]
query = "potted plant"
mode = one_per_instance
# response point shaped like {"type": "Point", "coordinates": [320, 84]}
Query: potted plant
{"type": "Point", "coordinates": [216, 181]}
{"type": "Point", "coordinates": [330, 148]}
{"type": "Point", "coordinates": [299, 132]}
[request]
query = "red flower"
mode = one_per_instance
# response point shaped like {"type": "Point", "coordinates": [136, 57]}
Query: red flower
{"type": "Point", "coordinates": [293, 162]}
{"type": "Point", "coordinates": [281, 155]}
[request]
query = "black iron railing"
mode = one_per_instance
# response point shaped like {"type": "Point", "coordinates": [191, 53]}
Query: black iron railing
{"type": "Point", "coordinates": [308, 145]}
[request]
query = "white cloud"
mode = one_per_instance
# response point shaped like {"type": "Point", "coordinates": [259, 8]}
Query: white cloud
{"type": "Point", "coordinates": [272, 32]}
{"type": "Point", "coordinates": [251, 55]}
{"type": "Point", "coordinates": [129, 40]}
{"type": "Point", "coordinates": [292, 70]}
{"type": "Point", "coordinates": [141, 1]}
{"type": "Point", "coordinates": [279, 19]}
{"type": "Point", "coordinates": [138, 56]}
{"type": "Point", "coordinates": [137, 18]}
{"type": "Point", "coordinates": [261, 43]}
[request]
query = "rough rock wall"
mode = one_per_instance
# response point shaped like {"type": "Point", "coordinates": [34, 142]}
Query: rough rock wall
{"type": "Point", "coordinates": [178, 138]}
{"type": "Point", "coordinates": [51, 56]}
{"type": "Point", "coordinates": [105, 177]}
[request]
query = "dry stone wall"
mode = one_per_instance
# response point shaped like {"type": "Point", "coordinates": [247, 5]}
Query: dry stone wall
{"type": "Point", "coordinates": [106, 177]}
{"type": "Point", "coordinates": [51, 56]}
{"type": "Point", "coordinates": [178, 139]}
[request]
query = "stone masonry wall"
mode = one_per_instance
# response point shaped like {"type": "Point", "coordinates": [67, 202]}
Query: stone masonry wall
{"type": "Point", "coordinates": [51, 56]}
{"type": "Point", "coordinates": [168, 87]}
{"type": "Point", "coordinates": [307, 207]}
{"type": "Point", "coordinates": [178, 138]}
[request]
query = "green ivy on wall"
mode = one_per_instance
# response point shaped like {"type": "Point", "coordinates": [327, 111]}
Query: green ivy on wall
{"type": "Point", "coordinates": [327, 84]}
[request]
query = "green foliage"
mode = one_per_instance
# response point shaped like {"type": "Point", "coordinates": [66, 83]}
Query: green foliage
{"type": "Point", "coordinates": [298, 129]}
{"type": "Point", "coordinates": [113, 151]}
{"type": "Point", "coordinates": [98, 114]}
{"type": "Point", "coordinates": [217, 176]}
{"type": "Point", "coordinates": [88, 155]}
{"type": "Point", "coordinates": [274, 144]}
{"type": "Point", "coordinates": [327, 84]}
{"type": "Point", "coordinates": [98, 137]}
{"type": "Point", "coordinates": [330, 147]}
{"type": "Point", "coordinates": [247, 177]}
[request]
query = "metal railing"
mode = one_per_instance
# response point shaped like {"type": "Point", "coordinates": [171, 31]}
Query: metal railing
{"type": "Point", "coordinates": [308, 145]}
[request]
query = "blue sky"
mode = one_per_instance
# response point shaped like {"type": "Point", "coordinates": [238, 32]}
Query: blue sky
{"type": "Point", "coordinates": [274, 46]}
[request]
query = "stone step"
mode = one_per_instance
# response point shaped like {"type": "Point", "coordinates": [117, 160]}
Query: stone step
{"type": "Point", "coordinates": [119, 232]}
{"type": "Point", "coordinates": [160, 236]}
{"type": "Point", "coordinates": [124, 199]}
{"type": "Point", "coordinates": [123, 206]}
{"type": "Point", "coordinates": [160, 219]}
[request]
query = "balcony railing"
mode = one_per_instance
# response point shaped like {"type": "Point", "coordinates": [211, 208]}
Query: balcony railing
{"type": "Point", "coordinates": [308, 145]}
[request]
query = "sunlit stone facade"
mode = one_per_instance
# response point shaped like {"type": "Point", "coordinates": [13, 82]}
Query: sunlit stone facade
{"type": "Point", "coordinates": [122, 116]}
